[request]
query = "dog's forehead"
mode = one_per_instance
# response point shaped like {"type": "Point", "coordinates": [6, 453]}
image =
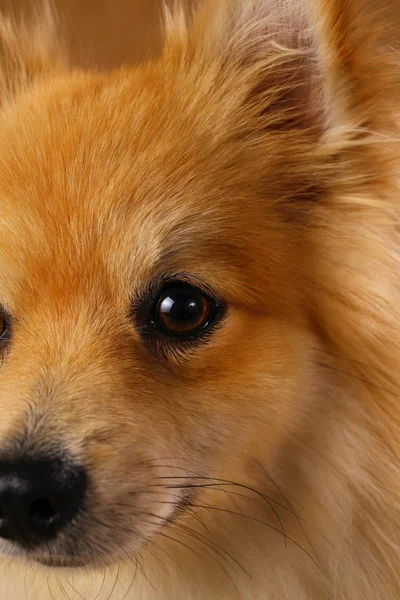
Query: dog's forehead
{"type": "Point", "coordinates": [86, 150]}
{"type": "Point", "coordinates": [114, 184]}
{"type": "Point", "coordinates": [84, 190]}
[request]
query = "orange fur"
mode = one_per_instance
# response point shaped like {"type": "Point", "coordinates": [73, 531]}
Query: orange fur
{"type": "Point", "coordinates": [260, 154]}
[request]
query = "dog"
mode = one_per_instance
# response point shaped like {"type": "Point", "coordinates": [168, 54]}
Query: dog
{"type": "Point", "coordinates": [200, 316]}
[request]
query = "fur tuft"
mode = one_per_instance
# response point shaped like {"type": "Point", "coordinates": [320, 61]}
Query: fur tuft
{"type": "Point", "coordinates": [30, 49]}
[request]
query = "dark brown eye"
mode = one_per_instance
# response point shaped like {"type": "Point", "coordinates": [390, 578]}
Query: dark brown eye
{"type": "Point", "coordinates": [183, 311]}
{"type": "Point", "coordinates": [3, 327]}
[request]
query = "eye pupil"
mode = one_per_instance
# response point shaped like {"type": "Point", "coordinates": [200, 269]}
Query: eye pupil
{"type": "Point", "coordinates": [183, 310]}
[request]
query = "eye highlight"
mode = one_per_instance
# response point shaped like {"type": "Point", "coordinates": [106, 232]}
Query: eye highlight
{"type": "Point", "coordinates": [181, 311]}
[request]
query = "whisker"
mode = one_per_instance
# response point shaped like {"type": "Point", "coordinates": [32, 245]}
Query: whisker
{"type": "Point", "coordinates": [300, 522]}
{"type": "Point", "coordinates": [76, 591]}
{"type": "Point", "coordinates": [49, 588]}
{"type": "Point", "coordinates": [218, 549]}
{"type": "Point", "coordinates": [132, 582]}
{"type": "Point", "coordinates": [226, 482]}
{"type": "Point", "coordinates": [25, 581]}
{"type": "Point", "coordinates": [152, 552]}
{"type": "Point", "coordinates": [230, 494]}
{"type": "Point", "coordinates": [192, 535]}
{"type": "Point", "coordinates": [141, 569]}
{"type": "Point", "coordinates": [207, 541]}
{"type": "Point", "coordinates": [61, 587]}
{"type": "Point", "coordinates": [180, 542]}
{"type": "Point", "coordinates": [193, 513]}
{"type": "Point", "coordinates": [217, 483]}
{"type": "Point", "coordinates": [114, 584]}
{"type": "Point", "coordinates": [158, 549]}
{"type": "Point", "coordinates": [254, 519]}
{"type": "Point", "coordinates": [101, 586]}
{"type": "Point", "coordinates": [34, 577]}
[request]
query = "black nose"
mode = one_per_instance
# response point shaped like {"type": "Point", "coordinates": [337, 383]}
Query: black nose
{"type": "Point", "coordinates": [38, 497]}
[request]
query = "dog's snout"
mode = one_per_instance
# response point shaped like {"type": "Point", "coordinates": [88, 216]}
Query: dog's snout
{"type": "Point", "coordinates": [38, 497]}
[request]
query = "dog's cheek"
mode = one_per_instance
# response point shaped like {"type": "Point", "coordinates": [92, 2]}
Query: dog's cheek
{"type": "Point", "coordinates": [245, 395]}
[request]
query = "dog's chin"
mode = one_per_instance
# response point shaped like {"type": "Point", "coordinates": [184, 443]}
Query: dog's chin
{"type": "Point", "coordinates": [62, 562]}
{"type": "Point", "coordinates": [53, 559]}
{"type": "Point", "coordinates": [74, 561]}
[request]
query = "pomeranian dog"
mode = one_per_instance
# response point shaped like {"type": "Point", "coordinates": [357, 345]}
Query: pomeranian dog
{"type": "Point", "coordinates": [200, 311]}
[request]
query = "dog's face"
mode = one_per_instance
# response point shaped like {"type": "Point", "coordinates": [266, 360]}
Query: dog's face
{"type": "Point", "coordinates": [153, 318]}
{"type": "Point", "coordinates": [153, 263]}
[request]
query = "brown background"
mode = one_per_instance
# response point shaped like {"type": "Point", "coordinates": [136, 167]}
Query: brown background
{"type": "Point", "coordinates": [109, 32]}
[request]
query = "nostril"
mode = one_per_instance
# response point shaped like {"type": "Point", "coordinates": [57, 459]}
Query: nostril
{"type": "Point", "coordinates": [42, 511]}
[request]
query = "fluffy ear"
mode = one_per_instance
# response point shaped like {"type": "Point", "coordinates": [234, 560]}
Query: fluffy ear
{"type": "Point", "coordinates": [312, 63]}
{"type": "Point", "coordinates": [360, 74]}
{"type": "Point", "coordinates": [29, 50]}
{"type": "Point", "coordinates": [262, 49]}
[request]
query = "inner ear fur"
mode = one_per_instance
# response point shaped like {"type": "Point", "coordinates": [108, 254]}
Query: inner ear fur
{"type": "Point", "coordinates": [319, 64]}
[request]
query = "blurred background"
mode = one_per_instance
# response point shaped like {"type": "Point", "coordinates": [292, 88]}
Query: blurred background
{"type": "Point", "coordinates": [110, 32]}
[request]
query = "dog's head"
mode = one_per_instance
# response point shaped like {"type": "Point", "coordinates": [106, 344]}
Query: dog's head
{"type": "Point", "coordinates": [159, 233]}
